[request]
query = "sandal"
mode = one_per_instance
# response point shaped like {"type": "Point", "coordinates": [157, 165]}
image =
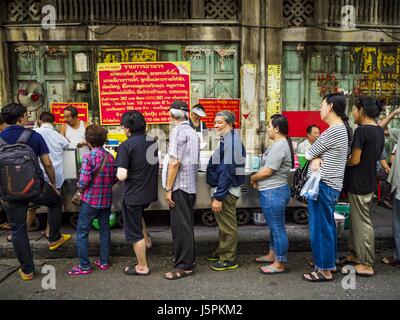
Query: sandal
{"type": "Point", "coordinates": [76, 271]}
{"type": "Point", "coordinates": [131, 271]}
{"type": "Point", "coordinates": [361, 274]}
{"type": "Point", "coordinates": [316, 276]}
{"type": "Point", "coordinates": [312, 265]}
{"type": "Point", "coordinates": [178, 274]}
{"type": "Point", "coordinates": [391, 261]}
{"type": "Point", "coordinates": [272, 270]}
{"type": "Point", "coordinates": [263, 260]}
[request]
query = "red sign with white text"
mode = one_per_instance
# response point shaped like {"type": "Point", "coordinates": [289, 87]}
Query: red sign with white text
{"type": "Point", "coordinates": [148, 87]}
{"type": "Point", "coordinates": [57, 109]}
{"type": "Point", "coordinates": [212, 106]}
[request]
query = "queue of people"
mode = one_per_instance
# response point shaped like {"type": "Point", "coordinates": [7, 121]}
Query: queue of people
{"type": "Point", "coordinates": [344, 161]}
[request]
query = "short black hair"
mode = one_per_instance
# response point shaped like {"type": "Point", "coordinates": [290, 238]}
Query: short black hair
{"type": "Point", "coordinates": [73, 110]}
{"type": "Point", "coordinates": [134, 121]}
{"type": "Point", "coordinates": [1, 120]}
{"type": "Point", "coordinates": [46, 117]}
{"type": "Point", "coordinates": [309, 128]}
{"type": "Point", "coordinates": [95, 135]}
{"type": "Point", "coordinates": [12, 112]}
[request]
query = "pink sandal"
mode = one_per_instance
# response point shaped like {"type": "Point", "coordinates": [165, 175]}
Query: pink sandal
{"type": "Point", "coordinates": [76, 271]}
{"type": "Point", "coordinates": [102, 266]}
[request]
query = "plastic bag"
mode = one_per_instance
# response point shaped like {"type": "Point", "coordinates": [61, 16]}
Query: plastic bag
{"type": "Point", "coordinates": [311, 187]}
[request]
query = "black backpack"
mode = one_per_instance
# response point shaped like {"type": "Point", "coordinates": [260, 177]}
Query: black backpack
{"type": "Point", "coordinates": [20, 175]}
{"type": "Point", "coordinates": [299, 179]}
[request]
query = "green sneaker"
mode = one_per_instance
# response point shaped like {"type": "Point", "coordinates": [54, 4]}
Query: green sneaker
{"type": "Point", "coordinates": [212, 258]}
{"type": "Point", "coordinates": [224, 265]}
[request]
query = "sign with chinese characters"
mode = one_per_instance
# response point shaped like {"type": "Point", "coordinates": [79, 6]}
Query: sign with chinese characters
{"type": "Point", "coordinates": [212, 106]}
{"type": "Point", "coordinates": [274, 90]}
{"type": "Point", "coordinates": [148, 87]}
{"type": "Point", "coordinates": [57, 109]}
{"type": "Point", "coordinates": [127, 55]}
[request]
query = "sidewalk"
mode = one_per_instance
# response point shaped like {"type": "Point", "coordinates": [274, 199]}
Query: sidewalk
{"type": "Point", "coordinates": [252, 239]}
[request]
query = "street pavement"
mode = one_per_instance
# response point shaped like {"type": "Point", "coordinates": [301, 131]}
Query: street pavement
{"type": "Point", "coordinates": [245, 283]}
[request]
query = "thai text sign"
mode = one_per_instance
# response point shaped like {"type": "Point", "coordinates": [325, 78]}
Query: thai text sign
{"type": "Point", "coordinates": [212, 106]}
{"type": "Point", "coordinates": [57, 109]}
{"type": "Point", "coordinates": [148, 87]}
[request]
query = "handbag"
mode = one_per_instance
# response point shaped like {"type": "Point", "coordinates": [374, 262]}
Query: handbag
{"type": "Point", "coordinates": [76, 199]}
{"type": "Point", "coordinates": [299, 180]}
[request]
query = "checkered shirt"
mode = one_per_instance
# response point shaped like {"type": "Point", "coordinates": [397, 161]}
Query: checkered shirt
{"type": "Point", "coordinates": [184, 145]}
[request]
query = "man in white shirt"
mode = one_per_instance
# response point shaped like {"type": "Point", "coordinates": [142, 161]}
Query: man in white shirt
{"type": "Point", "coordinates": [56, 143]}
{"type": "Point", "coordinates": [313, 132]}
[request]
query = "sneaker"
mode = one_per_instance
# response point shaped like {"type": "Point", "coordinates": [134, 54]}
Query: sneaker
{"type": "Point", "coordinates": [224, 265]}
{"type": "Point", "coordinates": [102, 266]}
{"type": "Point", "coordinates": [25, 276]}
{"type": "Point", "coordinates": [212, 258]}
{"type": "Point", "coordinates": [76, 270]}
{"type": "Point", "coordinates": [64, 238]}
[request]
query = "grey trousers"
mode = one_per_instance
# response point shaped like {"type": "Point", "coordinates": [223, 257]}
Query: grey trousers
{"type": "Point", "coordinates": [361, 238]}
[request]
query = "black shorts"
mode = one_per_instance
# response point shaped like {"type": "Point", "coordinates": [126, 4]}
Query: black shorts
{"type": "Point", "coordinates": [132, 217]}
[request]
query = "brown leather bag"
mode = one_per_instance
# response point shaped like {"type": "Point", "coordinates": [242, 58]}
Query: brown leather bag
{"type": "Point", "coordinates": [76, 199]}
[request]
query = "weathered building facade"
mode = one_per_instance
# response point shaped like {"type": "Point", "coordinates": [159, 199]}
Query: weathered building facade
{"type": "Point", "coordinates": [273, 55]}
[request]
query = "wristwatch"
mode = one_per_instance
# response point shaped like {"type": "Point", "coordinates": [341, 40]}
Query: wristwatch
{"type": "Point", "coordinates": [167, 190]}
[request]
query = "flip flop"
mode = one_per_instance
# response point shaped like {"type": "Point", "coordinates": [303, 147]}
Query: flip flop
{"type": "Point", "coordinates": [360, 274]}
{"type": "Point", "coordinates": [316, 276]}
{"type": "Point", "coordinates": [263, 260]}
{"type": "Point", "coordinates": [312, 265]}
{"type": "Point", "coordinates": [131, 271]}
{"type": "Point", "coordinates": [272, 270]}
{"type": "Point", "coordinates": [179, 274]}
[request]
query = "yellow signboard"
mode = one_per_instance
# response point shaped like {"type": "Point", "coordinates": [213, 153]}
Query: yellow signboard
{"type": "Point", "coordinates": [274, 90]}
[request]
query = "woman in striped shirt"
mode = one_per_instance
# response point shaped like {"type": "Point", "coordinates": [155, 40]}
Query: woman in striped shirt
{"type": "Point", "coordinates": [328, 154]}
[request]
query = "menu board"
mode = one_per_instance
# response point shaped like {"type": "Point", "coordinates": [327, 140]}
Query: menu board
{"type": "Point", "coordinates": [148, 87]}
{"type": "Point", "coordinates": [212, 106]}
{"type": "Point", "coordinates": [57, 109]}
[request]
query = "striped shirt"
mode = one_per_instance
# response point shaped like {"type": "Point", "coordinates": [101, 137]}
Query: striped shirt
{"type": "Point", "coordinates": [332, 148]}
{"type": "Point", "coordinates": [184, 145]}
{"type": "Point", "coordinates": [97, 193]}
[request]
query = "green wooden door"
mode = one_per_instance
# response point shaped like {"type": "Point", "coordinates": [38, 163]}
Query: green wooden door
{"type": "Point", "coordinates": [305, 75]}
{"type": "Point", "coordinates": [58, 68]}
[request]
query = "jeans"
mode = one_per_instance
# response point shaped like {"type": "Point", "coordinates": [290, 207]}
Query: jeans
{"type": "Point", "coordinates": [16, 214]}
{"type": "Point", "coordinates": [273, 203]}
{"type": "Point", "coordinates": [396, 229]}
{"type": "Point", "coordinates": [86, 216]}
{"type": "Point", "coordinates": [323, 228]}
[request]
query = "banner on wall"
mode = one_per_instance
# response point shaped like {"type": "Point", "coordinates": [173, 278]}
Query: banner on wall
{"type": "Point", "coordinates": [57, 109]}
{"type": "Point", "coordinates": [148, 87]}
{"type": "Point", "coordinates": [274, 90]}
{"type": "Point", "coordinates": [212, 106]}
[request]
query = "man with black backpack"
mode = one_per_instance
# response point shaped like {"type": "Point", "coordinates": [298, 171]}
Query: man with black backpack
{"type": "Point", "coordinates": [22, 182]}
